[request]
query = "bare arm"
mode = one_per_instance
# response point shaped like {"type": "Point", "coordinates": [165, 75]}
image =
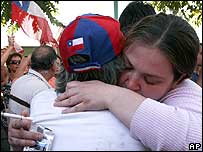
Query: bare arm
{"type": "Point", "coordinates": [157, 125]}
{"type": "Point", "coordinates": [4, 57]}
{"type": "Point", "coordinates": [23, 67]}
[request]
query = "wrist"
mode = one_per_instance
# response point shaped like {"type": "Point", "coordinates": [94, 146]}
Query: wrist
{"type": "Point", "coordinates": [113, 93]}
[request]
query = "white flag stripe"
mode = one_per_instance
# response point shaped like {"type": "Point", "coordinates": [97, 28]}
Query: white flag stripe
{"type": "Point", "coordinates": [87, 68]}
{"type": "Point", "coordinates": [77, 41]}
{"type": "Point", "coordinates": [35, 10]}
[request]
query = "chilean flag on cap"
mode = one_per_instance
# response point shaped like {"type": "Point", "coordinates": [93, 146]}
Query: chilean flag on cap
{"type": "Point", "coordinates": [76, 44]}
{"type": "Point", "coordinates": [94, 37]}
{"type": "Point", "coordinates": [31, 19]}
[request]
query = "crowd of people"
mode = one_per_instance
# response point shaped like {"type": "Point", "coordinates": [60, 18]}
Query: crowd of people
{"type": "Point", "coordinates": [133, 84]}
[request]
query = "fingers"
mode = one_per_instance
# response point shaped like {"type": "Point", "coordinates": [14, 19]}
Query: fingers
{"type": "Point", "coordinates": [72, 84]}
{"type": "Point", "coordinates": [25, 113]}
{"type": "Point", "coordinates": [72, 88]}
{"type": "Point", "coordinates": [78, 108]}
{"type": "Point", "coordinates": [83, 106]}
{"type": "Point", "coordinates": [22, 143]}
{"type": "Point", "coordinates": [71, 101]}
{"type": "Point", "coordinates": [20, 135]}
{"type": "Point", "coordinates": [68, 93]}
{"type": "Point", "coordinates": [19, 123]}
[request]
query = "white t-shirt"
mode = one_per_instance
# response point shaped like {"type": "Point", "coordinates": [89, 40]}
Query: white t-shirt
{"type": "Point", "coordinates": [25, 88]}
{"type": "Point", "coordinates": [94, 130]}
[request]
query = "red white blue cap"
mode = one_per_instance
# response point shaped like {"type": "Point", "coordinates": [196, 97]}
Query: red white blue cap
{"type": "Point", "coordinates": [94, 36]}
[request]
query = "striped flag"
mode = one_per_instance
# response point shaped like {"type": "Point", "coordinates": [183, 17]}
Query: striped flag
{"type": "Point", "coordinates": [76, 44]}
{"type": "Point", "coordinates": [31, 19]}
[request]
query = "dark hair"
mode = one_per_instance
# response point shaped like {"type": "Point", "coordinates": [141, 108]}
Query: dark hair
{"type": "Point", "coordinates": [43, 58]}
{"type": "Point", "coordinates": [175, 38]}
{"type": "Point", "coordinates": [134, 12]}
{"type": "Point", "coordinates": [10, 57]}
{"type": "Point", "coordinates": [109, 73]}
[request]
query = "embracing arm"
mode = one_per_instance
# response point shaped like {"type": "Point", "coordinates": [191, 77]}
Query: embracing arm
{"type": "Point", "coordinates": [159, 126]}
{"type": "Point", "coordinates": [96, 95]}
{"type": "Point", "coordinates": [164, 127]}
{"type": "Point", "coordinates": [124, 104]}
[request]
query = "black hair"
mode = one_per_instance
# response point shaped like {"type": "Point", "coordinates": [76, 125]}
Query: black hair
{"type": "Point", "coordinates": [10, 57]}
{"type": "Point", "coordinates": [43, 58]}
{"type": "Point", "coordinates": [133, 13]}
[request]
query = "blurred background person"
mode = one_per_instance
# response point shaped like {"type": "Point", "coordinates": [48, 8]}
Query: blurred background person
{"type": "Point", "coordinates": [134, 12]}
{"type": "Point", "coordinates": [197, 74]}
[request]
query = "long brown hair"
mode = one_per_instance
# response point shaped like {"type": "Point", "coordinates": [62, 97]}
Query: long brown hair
{"type": "Point", "coordinates": [175, 38]}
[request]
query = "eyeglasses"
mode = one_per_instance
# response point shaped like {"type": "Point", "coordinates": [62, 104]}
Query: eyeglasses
{"type": "Point", "coordinates": [15, 62]}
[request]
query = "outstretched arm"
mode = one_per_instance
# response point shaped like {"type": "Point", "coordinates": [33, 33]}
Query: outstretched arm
{"type": "Point", "coordinates": [24, 64]}
{"type": "Point", "coordinates": [4, 56]}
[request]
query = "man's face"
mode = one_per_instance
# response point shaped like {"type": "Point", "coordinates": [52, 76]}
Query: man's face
{"type": "Point", "coordinates": [148, 72]}
{"type": "Point", "coordinates": [57, 64]}
{"type": "Point", "coordinates": [14, 63]}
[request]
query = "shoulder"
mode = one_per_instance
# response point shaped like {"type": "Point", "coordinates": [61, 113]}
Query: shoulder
{"type": "Point", "coordinates": [187, 88]}
{"type": "Point", "coordinates": [28, 82]}
{"type": "Point", "coordinates": [50, 93]}
{"type": "Point", "coordinates": [187, 95]}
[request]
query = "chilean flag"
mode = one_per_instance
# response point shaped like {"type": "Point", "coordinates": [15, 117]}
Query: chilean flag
{"type": "Point", "coordinates": [31, 19]}
{"type": "Point", "coordinates": [76, 44]}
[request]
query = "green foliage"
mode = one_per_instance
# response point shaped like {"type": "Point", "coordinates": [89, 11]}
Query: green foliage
{"type": "Point", "coordinates": [48, 7]}
{"type": "Point", "coordinates": [190, 10]}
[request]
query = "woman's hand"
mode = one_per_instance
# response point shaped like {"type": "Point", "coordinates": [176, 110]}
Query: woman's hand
{"type": "Point", "coordinates": [83, 96]}
{"type": "Point", "coordinates": [96, 95]}
{"type": "Point", "coordinates": [19, 135]}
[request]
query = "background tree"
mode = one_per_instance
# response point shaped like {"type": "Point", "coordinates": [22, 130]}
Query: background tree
{"type": "Point", "coordinates": [48, 7]}
{"type": "Point", "coordinates": [190, 10]}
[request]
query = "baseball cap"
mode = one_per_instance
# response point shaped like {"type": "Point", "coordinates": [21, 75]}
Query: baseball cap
{"type": "Point", "coordinates": [95, 37]}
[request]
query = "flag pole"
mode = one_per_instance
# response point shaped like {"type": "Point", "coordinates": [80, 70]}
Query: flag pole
{"type": "Point", "coordinates": [12, 22]}
{"type": "Point", "coordinates": [116, 9]}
